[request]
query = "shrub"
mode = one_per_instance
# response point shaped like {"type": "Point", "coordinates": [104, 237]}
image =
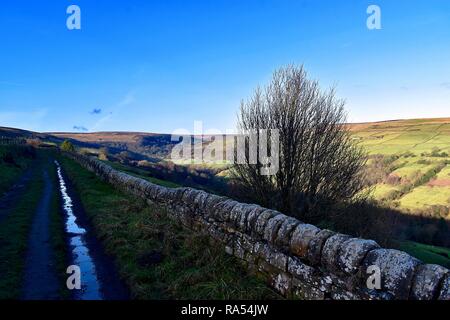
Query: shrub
{"type": "Point", "coordinates": [409, 154]}
{"type": "Point", "coordinates": [67, 146]}
{"type": "Point", "coordinates": [103, 154]}
{"type": "Point", "coordinates": [319, 164]}
{"type": "Point", "coordinates": [424, 162]}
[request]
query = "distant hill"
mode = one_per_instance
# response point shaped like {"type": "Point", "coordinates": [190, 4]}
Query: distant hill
{"type": "Point", "coordinates": [414, 135]}
{"type": "Point", "coordinates": [18, 133]}
{"type": "Point", "coordinates": [90, 142]}
{"type": "Point", "coordinates": [386, 137]}
{"type": "Point", "coordinates": [147, 144]}
{"type": "Point", "coordinates": [396, 124]}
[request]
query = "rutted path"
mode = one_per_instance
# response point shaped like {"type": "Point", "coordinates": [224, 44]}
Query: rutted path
{"type": "Point", "coordinates": [99, 278]}
{"type": "Point", "coordinates": [80, 253]}
{"type": "Point", "coordinates": [40, 281]}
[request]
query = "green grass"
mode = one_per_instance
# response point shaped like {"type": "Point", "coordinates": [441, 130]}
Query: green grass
{"type": "Point", "coordinates": [412, 170]}
{"type": "Point", "coordinates": [416, 136]}
{"type": "Point", "coordinates": [426, 253]}
{"type": "Point", "coordinates": [382, 191]}
{"type": "Point", "coordinates": [444, 174]}
{"type": "Point", "coordinates": [135, 233]}
{"type": "Point", "coordinates": [425, 196]}
{"type": "Point", "coordinates": [140, 173]}
{"type": "Point", "coordinates": [14, 237]}
{"type": "Point", "coordinates": [13, 163]}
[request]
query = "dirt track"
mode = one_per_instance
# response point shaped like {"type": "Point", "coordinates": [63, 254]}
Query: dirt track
{"type": "Point", "coordinates": [40, 281]}
{"type": "Point", "coordinates": [39, 274]}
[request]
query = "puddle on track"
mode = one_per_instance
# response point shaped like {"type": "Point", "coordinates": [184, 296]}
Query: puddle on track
{"type": "Point", "coordinates": [80, 253]}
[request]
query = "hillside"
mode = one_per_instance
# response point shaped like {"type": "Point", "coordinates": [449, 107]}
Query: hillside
{"type": "Point", "coordinates": [414, 135]}
{"type": "Point", "coordinates": [409, 165]}
{"type": "Point", "coordinates": [146, 144]}
{"type": "Point", "coordinates": [140, 146]}
{"type": "Point", "coordinates": [19, 133]}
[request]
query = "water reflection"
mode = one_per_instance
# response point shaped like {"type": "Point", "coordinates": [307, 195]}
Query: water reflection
{"type": "Point", "coordinates": [90, 286]}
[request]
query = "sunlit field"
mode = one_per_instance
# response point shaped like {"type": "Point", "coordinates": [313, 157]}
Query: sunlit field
{"type": "Point", "coordinates": [416, 153]}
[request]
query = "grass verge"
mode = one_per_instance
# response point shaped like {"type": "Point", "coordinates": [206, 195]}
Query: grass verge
{"type": "Point", "coordinates": [13, 162]}
{"type": "Point", "coordinates": [14, 232]}
{"type": "Point", "coordinates": [156, 256]}
{"type": "Point", "coordinates": [140, 173]}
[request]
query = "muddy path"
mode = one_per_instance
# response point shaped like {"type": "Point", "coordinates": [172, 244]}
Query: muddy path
{"type": "Point", "coordinates": [40, 280]}
{"type": "Point", "coordinates": [99, 277]}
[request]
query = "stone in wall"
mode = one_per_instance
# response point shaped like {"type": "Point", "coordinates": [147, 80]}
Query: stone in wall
{"type": "Point", "coordinates": [284, 235]}
{"type": "Point", "coordinates": [301, 237]}
{"type": "Point", "coordinates": [445, 290]}
{"type": "Point", "coordinates": [269, 255]}
{"type": "Point", "coordinates": [397, 270]}
{"type": "Point", "coordinates": [352, 253]}
{"type": "Point", "coordinates": [426, 282]}
{"type": "Point", "coordinates": [238, 216]}
{"type": "Point", "coordinates": [252, 218]}
{"type": "Point", "coordinates": [247, 213]}
{"type": "Point", "coordinates": [314, 251]}
{"type": "Point", "coordinates": [221, 211]}
{"type": "Point", "coordinates": [282, 282]}
{"type": "Point", "coordinates": [304, 291]}
{"type": "Point", "coordinates": [261, 222]}
{"type": "Point", "coordinates": [331, 251]}
{"type": "Point", "coordinates": [210, 202]}
{"type": "Point", "coordinates": [273, 226]}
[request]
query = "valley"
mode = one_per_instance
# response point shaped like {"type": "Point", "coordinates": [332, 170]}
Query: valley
{"type": "Point", "coordinates": [407, 175]}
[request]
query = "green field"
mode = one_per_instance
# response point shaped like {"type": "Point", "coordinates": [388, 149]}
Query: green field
{"type": "Point", "coordinates": [415, 136]}
{"type": "Point", "coordinates": [140, 173]}
{"type": "Point", "coordinates": [426, 253]}
{"type": "Point", "coordinates": [417, 178]}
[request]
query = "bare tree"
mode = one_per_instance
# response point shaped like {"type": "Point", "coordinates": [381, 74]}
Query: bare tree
{"type": "Point", "coordinates": [319, 163]}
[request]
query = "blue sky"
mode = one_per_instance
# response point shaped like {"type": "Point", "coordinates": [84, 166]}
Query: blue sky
{"type": "Point", "coordinates": [158, 66]}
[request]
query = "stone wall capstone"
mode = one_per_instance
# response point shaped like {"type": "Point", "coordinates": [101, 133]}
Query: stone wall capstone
{"type": "Point", "coordinates": [297, 259]}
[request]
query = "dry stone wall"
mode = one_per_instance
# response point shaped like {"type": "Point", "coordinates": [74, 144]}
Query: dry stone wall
{"type": "Point", "coordinates": [299, 260]}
